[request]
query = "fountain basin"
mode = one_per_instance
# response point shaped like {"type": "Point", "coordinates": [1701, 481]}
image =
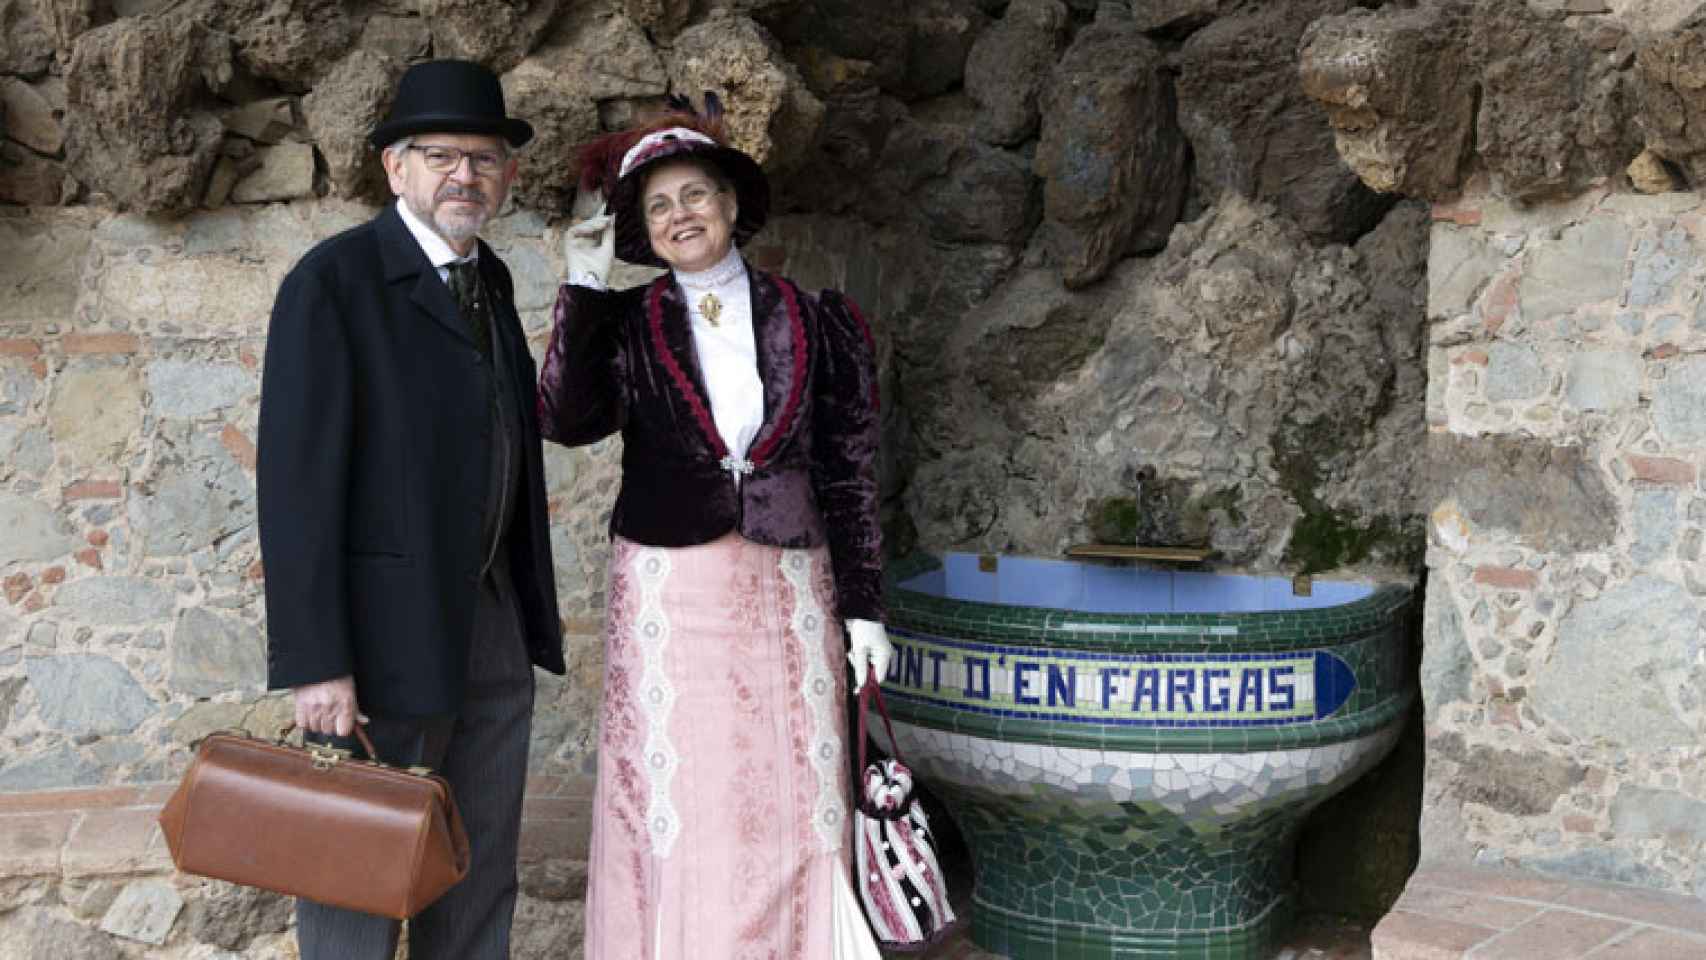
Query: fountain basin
{"type": "Point", "coordinates": [1130, 752]}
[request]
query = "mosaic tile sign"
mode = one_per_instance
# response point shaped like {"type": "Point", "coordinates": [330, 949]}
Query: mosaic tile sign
{"type": "Point", "coordinates": [1100, 688]}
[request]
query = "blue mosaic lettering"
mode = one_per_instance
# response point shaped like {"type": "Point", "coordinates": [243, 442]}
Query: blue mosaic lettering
{"type": "Point", "coordinates": [1065, 684]}
{"type": "Point", "coordinates": [1108, 683]}
{"type": "Point", "coordinates": [976, 685]}
{"type": "Point", "coordinates": [1249, 690]}
{"type": "Point", "coordinates": [1021, 672]}
{"type": "Point", "coordinates": [892, 675]}
{"type": "Point", "coordinates": [1148, 687]}
{"type": "Point", "coordinates": [1281, 695]}
{"type": "Point", "coordinates": [1217, 697]}
{"type": "Point", "coordinates": [1182, 682]}
{"type": "Point", "coordinates": [936, 658]}
{"type": "Point", "coordinates": [912, 674]}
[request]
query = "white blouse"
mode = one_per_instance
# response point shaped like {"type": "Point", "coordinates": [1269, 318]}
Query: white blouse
{"type": "Point", "coordinates": [728, 352]}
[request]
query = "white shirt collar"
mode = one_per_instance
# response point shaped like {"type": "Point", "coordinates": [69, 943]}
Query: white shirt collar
{"type": "Point", "coordinates": [719, 276]}
{"type": "Point", "coordinates": [437, 250]}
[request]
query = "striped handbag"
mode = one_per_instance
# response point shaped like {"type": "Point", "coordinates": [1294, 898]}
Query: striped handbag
{"type": "Point", "coordinates": [897, 874]}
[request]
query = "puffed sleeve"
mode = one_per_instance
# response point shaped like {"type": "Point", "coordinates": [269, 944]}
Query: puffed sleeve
{"type": "Point", "coordinates": [580, 383]}
{"type": "Point", "coordinates": [845, 440]}
{"type": "Point", "coordinates": [307, 402]}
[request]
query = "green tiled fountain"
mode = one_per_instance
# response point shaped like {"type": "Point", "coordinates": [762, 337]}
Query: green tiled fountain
{"type": "Point", "coordinates": [1128, 752]}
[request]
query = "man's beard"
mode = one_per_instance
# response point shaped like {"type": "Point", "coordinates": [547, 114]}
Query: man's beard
{"type": "Point", "coordinates": [458, 226]}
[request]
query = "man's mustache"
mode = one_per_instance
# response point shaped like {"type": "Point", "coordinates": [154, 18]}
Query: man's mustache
{"type": "Point", "coordinates": [461, 193]}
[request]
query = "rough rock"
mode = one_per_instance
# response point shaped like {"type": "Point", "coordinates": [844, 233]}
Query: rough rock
{"type": "Point", "coordinates": [941, 34]}
{"type": "Point", "coordinates": [1679, 404]}
{"type": "Point", "coordinates": [181, 388]}
{"type": "Point", "coordinates": [1607, 380]}
{"type": "Point", "coordinates": [194, 495]}
{"type": "Point", "coordinates": [1555, 114]}
{"type": "Point", "coordinates": [94, 412]}
{"type": "Point", "coordinates": [133, 128]}
{"type": "Point", "coordinates": [231, 916]}
{"type": "Point", "coordinates": [286, 172]}
{"type": "Point", "coordinates": [1399, 92]}
{"type": "Point", "coordinates": [1670, 76]}
{"type": "Point", "coordinates": [955, 187]}
{"type": "Point", "coordinates": [212, 654]}
{"type": "Point", "coordinates": [1254, 131]}
{"type": "Point", "coordinates": [1583, 265]}
{"type": "Point", "coordinates": [1550, 498]}
{"type": "Point", "coordinates": [1009, 64]}
{"type": "Point", "coordinates": [874, 32]}
{"type": "Point", "coordinates": [1177, 17]}
{"type": "Point", "coordinates": [32, 531]}
{"type": "Point", "coordinates": [771, 114]}
{"type": "Point", "coordinates": [837, 176]}
{"type": "Point", "coordinates": [263, 121]}
{"type": "Point", "coordinates": [66, 20]}
{"type": "Point", "coordinates": [499, 35]}
{"type": "Point", "coordinates": [593, 56]}
{"type": "Point", "coordinates": [1522, 783]}
{"type": "Point", "coordinates": [1648, 174]}
{"type": "Point", "coordinates": [114, 600]}
{"type": "Point", "coordinates": [41, 934]}
{"type": "Point", "coordinates": [29, 117]}
{"type": "Point", "coordinates": [1115, 164]}
{"type": "Point", "coordinates": [403, 39]}
{"type": "Point", "coordinates": [288, 41]}
{"type": "Point", "coordinates": [343, 108]}
{"type": "Point", "coordinates": [1621, 693]}
{"type": "Point", "coordinates": [144, 911]}
{"type": "Point", "coordinates": [1641, 813]}
{"type": "Point", "coordinates": [29, 179]}
{"type": "Point", "coordinates": [1447, 663]}
{"type": "Point", "coordinates": [663, 18]}
{"type": "Point", "coordinates": [26, 46]}
{"type": "Point", "coordinates": [80, 694]}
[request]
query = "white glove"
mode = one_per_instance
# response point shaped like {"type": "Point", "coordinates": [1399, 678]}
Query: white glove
{"type": "Point", "coordinates": [868, 645]}
{"type": "Point", "coordinates": [589, 247]}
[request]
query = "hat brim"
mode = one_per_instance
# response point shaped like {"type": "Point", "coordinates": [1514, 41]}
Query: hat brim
{"type": "Point", "coordinates": [515, 132]}
{"type": "Point", "coordinates": [752, 198]}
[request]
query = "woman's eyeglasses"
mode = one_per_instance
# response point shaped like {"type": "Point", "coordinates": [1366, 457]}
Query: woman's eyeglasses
{"type": "Point", "coordinates": [694, 199]}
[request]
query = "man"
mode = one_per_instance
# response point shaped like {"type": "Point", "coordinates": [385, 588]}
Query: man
{"type": "Point", "coordinates": [402, 501]}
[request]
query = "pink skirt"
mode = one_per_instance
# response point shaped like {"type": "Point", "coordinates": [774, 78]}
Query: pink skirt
{"type": "Point", "coordinates": [721, 812]}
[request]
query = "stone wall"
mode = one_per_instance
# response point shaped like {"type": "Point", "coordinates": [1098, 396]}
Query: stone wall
{"type": "Point", "coordinates": [1563, 665]}
{"type": "Point", "coordinates": [1562, 669]}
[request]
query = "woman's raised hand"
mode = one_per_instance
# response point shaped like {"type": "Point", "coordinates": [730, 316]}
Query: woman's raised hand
{"type": "Point", "coordinates": [589, 248]}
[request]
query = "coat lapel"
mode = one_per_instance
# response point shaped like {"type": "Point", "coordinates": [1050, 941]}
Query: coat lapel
{"type": "Point", "coordinates": [779, 334]}
{"type": "Point", "coordinates": [404, 259]}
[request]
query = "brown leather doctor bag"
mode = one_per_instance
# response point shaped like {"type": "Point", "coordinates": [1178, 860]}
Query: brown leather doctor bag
{"type": "Point", "coordinates": [312, 822]}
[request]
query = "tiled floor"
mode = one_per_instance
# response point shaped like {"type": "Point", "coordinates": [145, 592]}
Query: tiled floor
{"type": "Point", "coordinates": [1447, 913]}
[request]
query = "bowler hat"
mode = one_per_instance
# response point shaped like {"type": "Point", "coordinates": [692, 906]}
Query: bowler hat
{"type": "Point", "coordinates": [449, 96]}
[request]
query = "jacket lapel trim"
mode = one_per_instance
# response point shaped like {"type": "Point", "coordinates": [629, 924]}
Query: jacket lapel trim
{"type": "Point", "coordinates": [666, 356]}
{"type": "Point", "coordinates": [770, 436]}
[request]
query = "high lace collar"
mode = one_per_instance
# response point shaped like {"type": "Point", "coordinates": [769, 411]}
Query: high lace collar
{"type": "Point", "coordinates": [723, 274]}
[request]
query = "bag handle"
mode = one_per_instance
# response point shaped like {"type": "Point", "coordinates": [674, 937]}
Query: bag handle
{"type": "Point", "coordinates": [871, 692]}
{"type": "Point", "coordinates": [360, 736]}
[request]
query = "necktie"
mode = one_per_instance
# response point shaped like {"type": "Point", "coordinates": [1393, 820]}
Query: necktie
{"type": "Point", "coordinates": [471, 300]}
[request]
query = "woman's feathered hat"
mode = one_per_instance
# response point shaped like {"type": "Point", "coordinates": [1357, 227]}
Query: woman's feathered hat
{"type": "Point", "coordinates": [616, 163]}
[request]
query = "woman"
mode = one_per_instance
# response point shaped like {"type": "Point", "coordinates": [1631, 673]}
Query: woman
{"type": "Point", "coordinates": [746, 525]}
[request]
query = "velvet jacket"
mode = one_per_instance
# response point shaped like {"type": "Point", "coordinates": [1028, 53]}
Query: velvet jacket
{"type": "Point", "coordinates": [625, 361]}
{"type": "Point", "coordinates": [372, 477]}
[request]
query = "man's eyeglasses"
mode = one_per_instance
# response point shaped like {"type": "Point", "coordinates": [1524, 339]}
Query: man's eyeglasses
{"type": "Point", "coordinates": [694, 199]}
{"type": "Point", "coordinates": [441, 159]}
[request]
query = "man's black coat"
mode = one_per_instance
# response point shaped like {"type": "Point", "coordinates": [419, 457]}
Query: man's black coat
{"type": "Point", "coordinates": [373, 466]}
